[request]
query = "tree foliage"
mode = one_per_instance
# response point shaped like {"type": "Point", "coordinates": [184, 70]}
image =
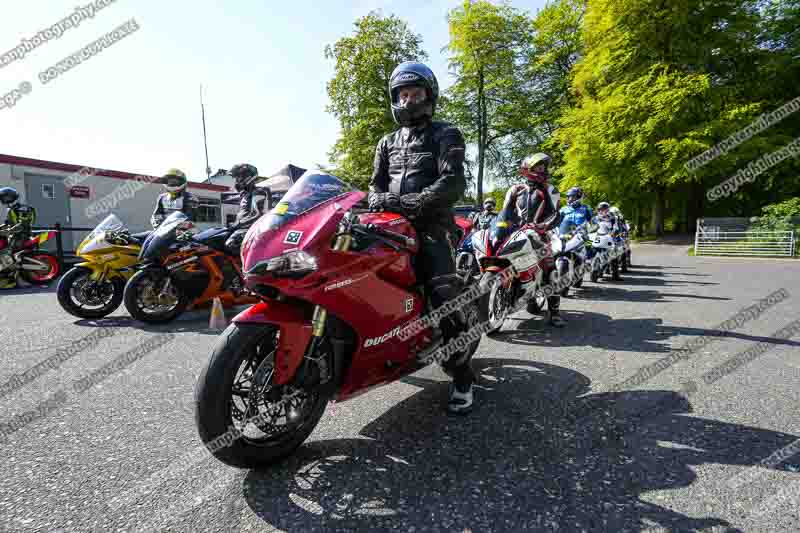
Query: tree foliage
{"type": "Point", "coordinates": [622, 94]}
{"type": "Point", "coordinates": [488, 99]}
{"type": "Point", "coordinates": [661, 82]}
{"type": "Point", "coordinates": [358, 91]}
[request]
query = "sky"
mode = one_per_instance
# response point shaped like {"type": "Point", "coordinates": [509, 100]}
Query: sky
{"type": "Point", "coordinates": [135, 106]}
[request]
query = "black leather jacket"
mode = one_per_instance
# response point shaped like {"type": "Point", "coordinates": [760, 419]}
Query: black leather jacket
{"type": "Point", "coordinates": [428, 159]}
{"type": "Point", "coordinates": [166, 205]}
{"type": "Point", "coordinates": [251, 207]}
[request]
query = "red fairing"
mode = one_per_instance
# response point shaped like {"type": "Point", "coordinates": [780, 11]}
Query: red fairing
{"type": "Point", "coordinates": [3, 243]}
{"type": "Point", "coordinates": [295, 334]}
{"type": "Point", "coordinates": [261, 243]}
{"type": "Point", "coordinates": [371, 288]}
{"type": "Point", "coordinates": [466, 226]}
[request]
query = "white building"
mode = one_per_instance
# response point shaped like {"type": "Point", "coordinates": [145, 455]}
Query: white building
{"type": "Point", "coordinates": [78, 196]}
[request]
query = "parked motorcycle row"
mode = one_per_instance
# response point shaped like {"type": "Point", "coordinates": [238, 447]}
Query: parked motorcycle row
{"type": "Point", "coordinates": [336, 308]}
{"type": "Point", "coordinates": [157, 275]}
{"type": "Point", "coordinates": [540, 258]}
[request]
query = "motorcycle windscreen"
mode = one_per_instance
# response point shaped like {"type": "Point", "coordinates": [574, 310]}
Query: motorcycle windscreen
{"type": "Point", "coordinates": [162, 237]}
{"type": "Point", "coordinates": [501, 228]}
{"type": "Point", "coordinates": [313, 190]}
{"type": "Point", "coordinates": [110, 223]}
{"type": "Point", "coordinates": [604, 228]}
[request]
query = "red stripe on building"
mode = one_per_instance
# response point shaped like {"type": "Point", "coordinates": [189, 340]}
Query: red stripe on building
{"type": "Point", "coordinates": [66, 167]}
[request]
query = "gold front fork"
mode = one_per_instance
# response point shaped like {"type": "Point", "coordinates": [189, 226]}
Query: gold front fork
{"type": "Point", "coordinates": [320, 315]}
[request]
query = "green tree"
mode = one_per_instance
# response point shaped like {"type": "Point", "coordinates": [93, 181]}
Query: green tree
{"type": "Point", "coordinates": [660, 82]}
{"type": "Point", "coordinates": [488, 100]}
{"type": "Point", "coordinates": [358, 91]}
{"type": "Point", "coordinates": [556, 47]}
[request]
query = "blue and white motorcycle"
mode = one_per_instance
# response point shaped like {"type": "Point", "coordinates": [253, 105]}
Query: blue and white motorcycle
{"type": "Point", "coordinates": [604, 250]}
{"type": "Point", "coordinates": [569, 251]}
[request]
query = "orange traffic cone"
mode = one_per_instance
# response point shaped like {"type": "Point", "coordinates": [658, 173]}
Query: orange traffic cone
{"type": "Point", "coordinates": [217, 320]}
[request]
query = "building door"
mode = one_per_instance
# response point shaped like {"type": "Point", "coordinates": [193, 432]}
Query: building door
{"type": "Point", "coordinates": [48, 196]}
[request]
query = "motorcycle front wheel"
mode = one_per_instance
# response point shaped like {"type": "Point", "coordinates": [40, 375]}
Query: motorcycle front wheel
{"type": "Point", "coordinates": [497, 305]}
{"type": "Point", "coordinates": [243, 418]}
{"type": "Point", "coordinates": [83, 297]}
{"type": "Point", "coordinates": [145, 302]}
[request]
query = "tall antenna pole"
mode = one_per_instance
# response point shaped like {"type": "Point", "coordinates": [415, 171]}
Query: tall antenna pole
{"type": "Point", "coordinates": [205, 142]}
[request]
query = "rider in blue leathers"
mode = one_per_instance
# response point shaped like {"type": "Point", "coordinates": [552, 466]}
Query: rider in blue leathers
{"type": "Point", "coordinates": [574, 212]}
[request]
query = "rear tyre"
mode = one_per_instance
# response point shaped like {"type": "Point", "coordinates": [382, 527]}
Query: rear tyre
{"type": "Point", "coordinates": [72, 292]}
{"type": "Point", "coordinates": [241, 368]}
{"type": "Point", "coordinates": [40, 277]}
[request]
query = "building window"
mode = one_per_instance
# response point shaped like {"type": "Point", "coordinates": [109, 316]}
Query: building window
{"type": "Point", "coordinates": [209, 210]}
{"type": "Point", "coordinates": [48, 191]}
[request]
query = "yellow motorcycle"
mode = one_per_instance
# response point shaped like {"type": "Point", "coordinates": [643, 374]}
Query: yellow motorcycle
{"type": "Point", "coordinates": [94, 288]}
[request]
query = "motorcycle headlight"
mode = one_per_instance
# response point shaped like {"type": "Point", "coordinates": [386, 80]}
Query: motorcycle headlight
{"type": "Point", "coordinates": [291, 264]}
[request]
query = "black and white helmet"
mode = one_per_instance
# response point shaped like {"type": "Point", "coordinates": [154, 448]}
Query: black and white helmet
{"type": "Point", "coordinates": [412, 73]}
{"type": "Point", "coordinates": [8, 196]}
{"type": "Point", "coordinates": [244, 176]}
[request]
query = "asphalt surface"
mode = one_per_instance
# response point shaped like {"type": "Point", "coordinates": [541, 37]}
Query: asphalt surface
{"type": "Point", "coordinates": [548, 447]}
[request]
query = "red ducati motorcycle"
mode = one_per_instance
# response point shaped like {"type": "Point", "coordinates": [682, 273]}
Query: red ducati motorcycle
{"type": "Point", "coordinates": [338, 291]}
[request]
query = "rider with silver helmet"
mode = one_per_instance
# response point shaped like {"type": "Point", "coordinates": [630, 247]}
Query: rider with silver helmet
{"type": "Point", "coordinates": [251, 204]}
{"type": "Point", "coordinates": [177, 198]}
{"type": "Point", "coordinates": [483, 219]}
{"type": "Point", "coordinates": [604, 214]}
{"type": "Point", "coordinates": [419, 172]}
{"type": "Point", "coordinates": [539, 207]}
{"type": "Point", "coordinates": [574, 213]}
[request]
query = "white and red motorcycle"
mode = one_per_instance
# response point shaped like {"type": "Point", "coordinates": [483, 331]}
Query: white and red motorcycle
{"type": "Point", "coordinates": [514, 260]}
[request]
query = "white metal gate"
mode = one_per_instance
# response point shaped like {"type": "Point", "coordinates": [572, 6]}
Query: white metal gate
{"type": "Point", "coordinates": [715, 241]}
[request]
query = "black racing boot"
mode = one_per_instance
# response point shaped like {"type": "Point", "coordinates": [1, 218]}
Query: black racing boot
{"type": "Point", "coordinates": [553, 304]}
{"type": "Point", "coordinates": [461, 390]}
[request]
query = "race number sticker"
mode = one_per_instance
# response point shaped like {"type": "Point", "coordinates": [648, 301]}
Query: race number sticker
{"type": "Point", "coordinates": [409, 305]}
{"type": "Point", "coordinates": [293, 237]}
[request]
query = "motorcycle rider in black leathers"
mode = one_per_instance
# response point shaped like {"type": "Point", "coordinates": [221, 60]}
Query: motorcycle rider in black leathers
{"type": "Point", "coordinates": [419, 172]}
{"type": "Point", "coordinates": [540, 208]}
{"type": "Point", "coordinates": [177, 198]}
{"type": "Point", "coordinates": [483, 220]}
{"type": "Point", "coordinates": [251, 204]}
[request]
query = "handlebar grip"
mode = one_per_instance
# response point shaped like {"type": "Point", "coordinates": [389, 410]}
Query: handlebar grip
{"type": "Point", "coordinates": [397, 237]}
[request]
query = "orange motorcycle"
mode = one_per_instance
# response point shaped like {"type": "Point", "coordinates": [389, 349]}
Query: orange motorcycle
{"type": "Point", "coordinates": [179, 270]}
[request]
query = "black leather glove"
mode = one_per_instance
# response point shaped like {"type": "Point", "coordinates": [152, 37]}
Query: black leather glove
{"type": "Point", "coordinates": [384, 201]}
{"type": "Point", "coordinates": [411, 204]}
